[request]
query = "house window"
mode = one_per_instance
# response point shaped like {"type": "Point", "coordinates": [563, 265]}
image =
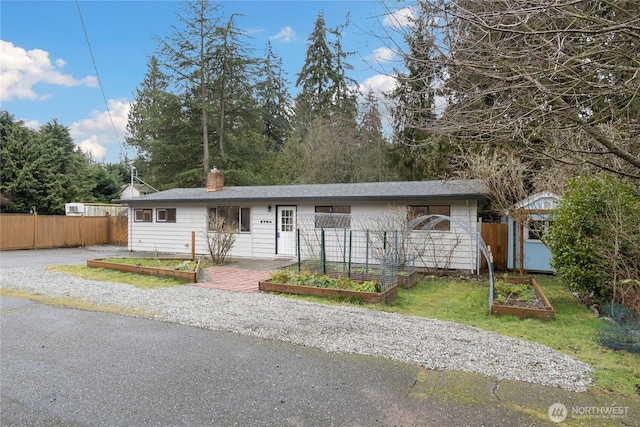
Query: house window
{"type": "Point", "coordinates": [165, 215]}
{"type": "Point", "coordinates": [241, 217]}
{"type": "Point", "coordinates": [142, 215]}
{"type": "Point", "coordinates": [537, 228]}
{"type": "Point", "coordinates": [418, 211]}
{"type": "Point", "coordinates": [333, 217]}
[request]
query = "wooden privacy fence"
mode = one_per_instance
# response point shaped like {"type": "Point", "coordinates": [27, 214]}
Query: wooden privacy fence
{"type": "Point", "coordinates": [497, 237]}
{"type": "Point", "coordinates": [20, 231]}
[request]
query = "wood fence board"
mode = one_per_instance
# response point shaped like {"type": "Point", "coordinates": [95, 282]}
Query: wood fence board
{"type": "Point", "coordinates": [496, 235]}
{"type": "Point", "coordinates": [22, 231]}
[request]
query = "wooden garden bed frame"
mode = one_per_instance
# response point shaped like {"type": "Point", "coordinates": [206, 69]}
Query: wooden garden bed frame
{"type": "Point", "coordinates": [523, 312]}
{"type": "Point", "coordinates": [191, 276]}
{"type": "Point", "coordinates": [369, 297]}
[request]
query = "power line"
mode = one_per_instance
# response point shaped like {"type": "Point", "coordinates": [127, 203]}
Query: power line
{"type": "Point", "coordinates": [95, 67]}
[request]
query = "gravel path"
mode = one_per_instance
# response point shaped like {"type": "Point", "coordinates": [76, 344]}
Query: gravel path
{"type": "Point", "coordinates": [432, 344]}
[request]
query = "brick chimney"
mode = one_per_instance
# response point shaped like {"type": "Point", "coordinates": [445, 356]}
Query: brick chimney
{"type": "Point", "coordinates": [215, 180]}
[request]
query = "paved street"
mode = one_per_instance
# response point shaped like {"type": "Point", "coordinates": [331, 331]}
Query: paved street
{"type": "Point", "coordinates": [65, 367]}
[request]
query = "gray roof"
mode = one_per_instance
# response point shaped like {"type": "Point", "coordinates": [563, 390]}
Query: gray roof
{"type": "Point", "coordinates": [370, 191]}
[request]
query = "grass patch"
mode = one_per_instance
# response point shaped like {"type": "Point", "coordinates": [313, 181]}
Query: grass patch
{"type": "Point", "coordinates": [574, 331]}
{"type": "Point", "coordinates": [167, 264]}
{"type": "Point", "coordinates": [72, 302]}
{"type": "Point", "coordinates": [108, 275]}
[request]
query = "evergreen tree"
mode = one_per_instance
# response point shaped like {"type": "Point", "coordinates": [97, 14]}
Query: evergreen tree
{"type": "Point", "coordinates": [344, 96]}
{"type": "Point", "coordinates": [415, 152]}
{"type": "Point", "coordinates": [41, 169]}
{"type": "Point", "coordinates": [187, 53]}
{"type": "Point", "coordinates": [316, 77]}
{"type": "Point", "coordinates": [274, 101]}
{"type": "Point", "coordinates": [373, 159]}
{"type": "Point", "coordinates": [164, 131]}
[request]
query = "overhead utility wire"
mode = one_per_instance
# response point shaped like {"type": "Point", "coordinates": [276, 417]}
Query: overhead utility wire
{"type": "Point", "coordinates": [95, 67]}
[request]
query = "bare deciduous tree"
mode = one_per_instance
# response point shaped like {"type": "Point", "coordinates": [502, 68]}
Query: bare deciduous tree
{"type": "Point", "coordinates": [220, 239]}
{"type": "Point", "coordinates": [558, 79]}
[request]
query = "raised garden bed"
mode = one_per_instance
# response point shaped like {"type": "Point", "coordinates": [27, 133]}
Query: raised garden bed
{"type": "Point", "coordinates": [521, 297]}
{"type": "Point", "coordinates": [137, 266]}
{"type": "Point", "coordinates": [405, 279]}
{"type": "Point", "coordinates": [369, 297]}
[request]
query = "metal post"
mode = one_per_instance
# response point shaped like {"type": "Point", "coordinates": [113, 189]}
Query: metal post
{"type": "Point", "coordinates": [350, 249]}
{"type": "Point", "coordinates": [323, 253]}
{"type": "Point", "coordinates": [299, 257]}
{"type": "Point", "coordinates": [366, 259]}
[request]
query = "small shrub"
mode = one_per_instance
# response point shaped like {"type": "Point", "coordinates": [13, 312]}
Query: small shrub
{"type": "Point", "coordinates": [220, 239]}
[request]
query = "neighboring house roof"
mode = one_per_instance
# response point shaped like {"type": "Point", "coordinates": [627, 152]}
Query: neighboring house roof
{"type": "Point", "coordinates": [373, 191]}
{"type": "Point", "coordinates": [532, 201]}
{"type": "Point", "coordinates": [142, 188]}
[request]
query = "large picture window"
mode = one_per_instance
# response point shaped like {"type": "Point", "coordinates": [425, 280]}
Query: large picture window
{"type": "Point", "coordinates": [418, 211]}
{"type": "Point", "coordinates": [165, 215]}
{"type": "Point", "coordinates": [237, 215]}
{"type": "Point", "coordinates": [333, 217]}
{"type": "Point", "coordinates": [142, 215]}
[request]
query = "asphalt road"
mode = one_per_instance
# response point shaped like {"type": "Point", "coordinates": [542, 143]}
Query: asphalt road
{"type": "Point", "coordinates": [67, 367]}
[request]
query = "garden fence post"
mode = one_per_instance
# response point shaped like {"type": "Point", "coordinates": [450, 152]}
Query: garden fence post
{"type": "Point", "coordinates": [323, 253]}
{"type": "Point", "coordinates": [350, 249]}
{"type": "Point", "coordinates": [366, 256]}
{"type": "Point", "coordinates": [299, 257]}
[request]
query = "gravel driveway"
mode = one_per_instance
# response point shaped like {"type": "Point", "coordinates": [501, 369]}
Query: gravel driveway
{"type": "Point", "coordinates": [432, 344]}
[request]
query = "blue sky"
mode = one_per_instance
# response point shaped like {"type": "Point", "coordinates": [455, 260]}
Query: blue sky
{"type": "Point", "coordinates": [47, 71]}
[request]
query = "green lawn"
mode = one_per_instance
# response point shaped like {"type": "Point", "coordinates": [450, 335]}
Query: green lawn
{"type": "Point", "coordinates": [107, 275]}
{"type": "Point", "coordinates": [574, 331]}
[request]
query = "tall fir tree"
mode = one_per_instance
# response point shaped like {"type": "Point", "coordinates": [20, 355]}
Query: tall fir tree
{"type": "Point", "coordinates": [274, 101]}
{"type": "Point", "coordinates": [415, 153]}
{"type": "Point", "coordinates": [315, 78]}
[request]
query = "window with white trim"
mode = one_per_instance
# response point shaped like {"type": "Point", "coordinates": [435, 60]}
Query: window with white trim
{"type": "Point", "coordinates": [537, 228]}
{"type": "Point", "coordinates": [237, 215]}
{"type": "Point", "coordinates": [440, 225]}
{"type": "Point", "coordinates": [165, 215]}
{"type": "Point", "coordinates": [333, 216]}
{"type": "Point", "coordinates": [142, 215]}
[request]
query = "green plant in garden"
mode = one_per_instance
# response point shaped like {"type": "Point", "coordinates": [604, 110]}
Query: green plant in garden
{"type": "Point", "coordinates": [306, 278]}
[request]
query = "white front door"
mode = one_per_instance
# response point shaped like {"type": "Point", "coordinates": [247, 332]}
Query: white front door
{"type": "Point", "coordinates": [286, 231]}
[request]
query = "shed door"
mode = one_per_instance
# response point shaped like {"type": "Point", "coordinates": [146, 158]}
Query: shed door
{"type": "Point", "coordinates": [286, 232]}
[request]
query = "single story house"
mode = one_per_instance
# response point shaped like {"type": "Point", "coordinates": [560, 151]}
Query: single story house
{"type": "Point", "coordinates": [528, 220]}
{"type": "Point", "coordinates": [267, 217]}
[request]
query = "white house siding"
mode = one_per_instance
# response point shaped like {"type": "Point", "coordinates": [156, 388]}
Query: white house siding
{"type": "Point", "coordinates": [453, 249]}
{"type": "Point", "coordinates": [261, 241]}
{"type": "Point", "coordinates": [169, 237]}
{"type": "Point", "coordinates": [175, 237]}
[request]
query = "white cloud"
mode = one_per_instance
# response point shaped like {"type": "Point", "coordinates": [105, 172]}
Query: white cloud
{"type": "Point", "coordinates": [22, 69]}
{"type": "Point", "coordinates": [96, 136]}
{"type": "Point", "coordinates": [32, 124]}
{"type": "Point", "coordinates": [380, 83]}
{"type": "Point", "coordinates": [285, 35]}
{"type": "Point", "coordinates": [383, 54]}
{"type": "Point", "coordinates": [399, 18]}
